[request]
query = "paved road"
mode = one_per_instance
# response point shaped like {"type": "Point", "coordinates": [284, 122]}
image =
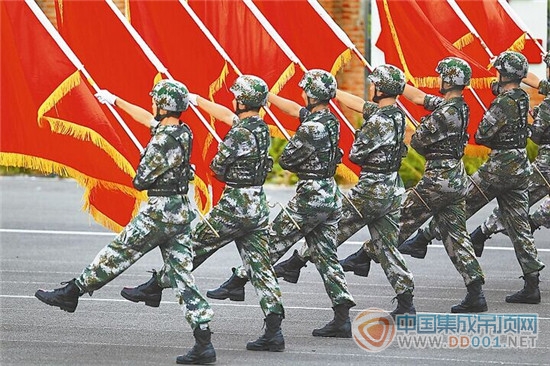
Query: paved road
{"type": "Point", "coordinates": [46, 239]}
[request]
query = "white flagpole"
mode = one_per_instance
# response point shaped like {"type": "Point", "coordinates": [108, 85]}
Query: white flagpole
{"type": "Point", "coordinates": [349, 44]}
{"type": "Point", "coordinates": [76, 62]}
{"type": "Point", "coordinates": [226, 57]}
{"type": "Point", "coordinates": [286, 49]}
{"type": "Point", "coordinates": [157, 63]}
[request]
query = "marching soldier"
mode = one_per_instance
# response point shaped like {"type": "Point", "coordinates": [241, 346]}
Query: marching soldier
{"type": "Point", "coordinates": [539, 184]}
{"type": "Point", "coordinates": [505, 176]}
{"type": "Point", "coordinates": [376, 199]}
{"type": "Point", "coordinates": [242, 214]}
{"type": "Point", "coordinates": [164, 171]}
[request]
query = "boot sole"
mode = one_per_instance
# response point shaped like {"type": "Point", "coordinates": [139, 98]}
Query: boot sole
{"type": "Point", "coordinates": [207, 361]}
{"type": "Point", "coordinates": [232, 298]}
{"type": "Point", "coordinates": [533, 302]}
{"type": "Point", "coordinates": [414, 255]}
{"type": "Point", "coordinates": [470, 310]}
{"type": "Point", "coordinates": [51, 303]}
{"type": "Point", "coordinates": [333, 335]}
{"type": "Point", "coordinates": [290, 279]}
{"type": "Point", "coordinates": [270, 349]}
{"type": "Point", "coordinates": [151, 303]}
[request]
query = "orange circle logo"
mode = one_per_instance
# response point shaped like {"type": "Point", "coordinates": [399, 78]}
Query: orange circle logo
{"type": "Point", "coordinates": [373, 330]}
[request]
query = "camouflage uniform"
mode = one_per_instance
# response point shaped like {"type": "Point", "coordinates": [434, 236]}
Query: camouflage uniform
{"type": "Point", "coordinates": [540, 179]}
{"type": "Point", "coordinates": [163, 222]}
{"type": "Point", "coordinates": [242, 214]}
{"type": "Point", "coordinates": [506, 174]}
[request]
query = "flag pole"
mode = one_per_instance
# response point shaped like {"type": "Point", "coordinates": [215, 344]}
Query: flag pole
{"type": "Point", "coordinates": [157, 63]}
{"type": "Point", "coordinates": [76, 62]}
{"type": "Point", "coordinates": [286, 49]}
{"type": "Point", "coordinates": [228, 59]}
{"type": "Point", "coordinates": [349, 44]}
{"type": "Point", "coordinates": [508, 9]}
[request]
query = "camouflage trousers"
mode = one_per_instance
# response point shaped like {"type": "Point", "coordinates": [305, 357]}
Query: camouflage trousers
{"type": "Point", "coordinates": [513, 202]}
{"type": "Point", "coordinates": [539, 187]}
{"type": "Point", "coordinates": [223, 225]}
{"type": "Point", "coordinates": [380, 213]}
{"type": "Point", "coordinates": [440, 194]}
{"type": "Point", "coordinates": [139, 237]}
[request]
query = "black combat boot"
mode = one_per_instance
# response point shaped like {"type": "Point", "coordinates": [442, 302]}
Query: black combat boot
{"type": "Point", "coordinates": [150, 292]}
{"type": "Point", "coordinates": [404, 304]}
{"type": "Point", "coordinates": [358, 262]}
{"type": "Point", "coordinates": [272, 340]}
{"type": "Point", "coordinates": [64, 297]}
{"type": "Point", "coordinates": [534, 226]}
{"type": "Point", "coordinates": [416, 247]}
{"type": "Point", "coordinates": [478, 238]}
{"type": "Point", "coordinates": [289, 270]}
{"type": "Point", "coordinates": [474, 302]}
{"type": "Point", "coordinates": [202, 352]}
{"type": "Point", "coordinates": [530, 293]}
{"type": "Point", "coordinates": [233, 289]}
{"type": "Point", "coordinates": [340, 326]}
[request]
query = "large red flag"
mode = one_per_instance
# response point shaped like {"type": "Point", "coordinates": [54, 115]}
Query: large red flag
{"type": "Point", "coordinates": [45, 102]}
{"type": "Point", "coordinates": [404, 44]}
{"type": "Point", "coordinates": [116, 61]}
{"type": "Point", "coordinates": [256, 51]}
{"type": "Point", "coordinates": [196, 61]}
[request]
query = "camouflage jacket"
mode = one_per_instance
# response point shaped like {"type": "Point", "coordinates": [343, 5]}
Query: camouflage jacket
{"type": "Point", "coordinates": [243, 157]}
{"type": "Point", "coordinates": [313, 152]}
{"type": "Point", "coordinates": [164, 165]}
{"type": "Point", "coordinates": [504, 121]}
{"type": "Point", "coordinates": [378, 145]}
{"type": "Point", "coordinates": [540, 131]}
{"type": "Point", "coordinates": [442, 134]}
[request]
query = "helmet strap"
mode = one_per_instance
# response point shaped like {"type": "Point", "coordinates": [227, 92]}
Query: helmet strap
{"type": "Point", "coordinates": [311, 104]}
{"type": "Point", "coordinates": [159, 117]}
{"type": "Point", "coordinates": [376, 98]}
{"type": "Point", "coordinates": [444, 90]}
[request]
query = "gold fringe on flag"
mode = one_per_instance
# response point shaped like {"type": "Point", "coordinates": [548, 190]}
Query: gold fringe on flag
{"type": "Point", "coordinates": [218, 83]}
{"type": "Point", "coordinates": [50, 167]}
{"type": "Point", "coordinates": [60, 8]}
{"type": "Point", "coordinates": [398, 44]}
{"type": "Point", "coordinates": [427, 82]}
{"type": "Point", "coordinates": [63, 89]}
{"type": "Point", "coordinates": [464, 40]}
{"type": "Point", "coordinates": [518, 44]}
{"type": "Point", "coordinates": [285, 76]}
{"type": "Point", "coordinates": [201, 187]}
{"type": "Point", "coordinates": [481, 83]}
{"type": "Point", "coordinates": [347, 174]}
{"type": "Point", "coordinates": [477, 151]}
{"type": "Point", "coordinates": [127, 11]}
{"type": "Point", "coordinates": [341, 60]}
{"type": "Point", "coordinates": [87, 134]}
{"type": "Point", "coordinates": [158, 77]}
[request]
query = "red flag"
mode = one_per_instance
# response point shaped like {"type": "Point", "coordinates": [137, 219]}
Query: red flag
{"type": "Point", "coordinates": [44, 103]}
{"type": "Point", "coordinates": [400, 39]}
{"type": "Point", "coordinates": [116, 61]}
{"type": "Point", "coordinates": [201, 67]}
{"type": "Point", "coordinates": [250, 46]}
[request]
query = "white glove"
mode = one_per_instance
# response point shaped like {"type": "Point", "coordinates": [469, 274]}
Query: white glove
{"type": "Point", "coordinates": [193, 99]}
{"type": "Point", "coordinates": [105, 97]}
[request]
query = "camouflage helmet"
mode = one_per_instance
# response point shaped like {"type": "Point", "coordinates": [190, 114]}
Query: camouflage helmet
{"type": "Point", "coordinates": [546, 59]}
{"type": "Point", "coordinates": [512, 64]}
{"type": "Point", "coordinates": [388, 79]}
{"type": "Point", "coordinates": [318, 84]}
{"type": "Point", "coordinates": [250, 90]}
{"type": "Point", "coordinates": [170, 95]}
{"type": "Point", "coordinates": [454, 71]}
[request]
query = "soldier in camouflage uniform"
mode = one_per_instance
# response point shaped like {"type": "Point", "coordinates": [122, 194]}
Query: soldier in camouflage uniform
{"type": "Point", "coordinates": [313, 213]}
{"type": "Point", "coordinates": [375, 200]}
{"type": "Point", "coordinates": [539, 184]}
{"type": "Point", "coordinates": [506, 175]}
{"type": "Point", "coordinates": [164, 222]}
{"type": "Point", "coordinates": [242, 214]}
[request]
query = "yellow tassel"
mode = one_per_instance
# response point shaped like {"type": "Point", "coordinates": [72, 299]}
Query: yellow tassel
{"type": "Point", "coordinates": [518, 44]}
{"type": "Point", "coordinates": [347, 174]}
{"type": "Point", "coordinates": [477, 151]}
{"type": "Point", "coordinates": [398, 44]}
{"type": "Point", "coordinates": [158, 77]}
{"type": "Point", "coordinates": [464, 41]}
{"type": "Point", "coordinates": [127, 11]}
{"type": "Point", "coordinates": [201, 187]}
{"type": "Point", "coordinates": [481, 83]}
{"type": "Point", "coordinates": [341, 60]}
{"type": "Point", "coordinates": [65, 87]}
{"type": "Point", "coordinates": [285, 76]}
{"type": "Point", "coordinates": [61, 16]}
{"type": "Point", "coordinates": [427, 82]}
{"type": "Point", "coordinates": [218, 83]}
{"type": "Point", "coordinates": [86, 134]}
